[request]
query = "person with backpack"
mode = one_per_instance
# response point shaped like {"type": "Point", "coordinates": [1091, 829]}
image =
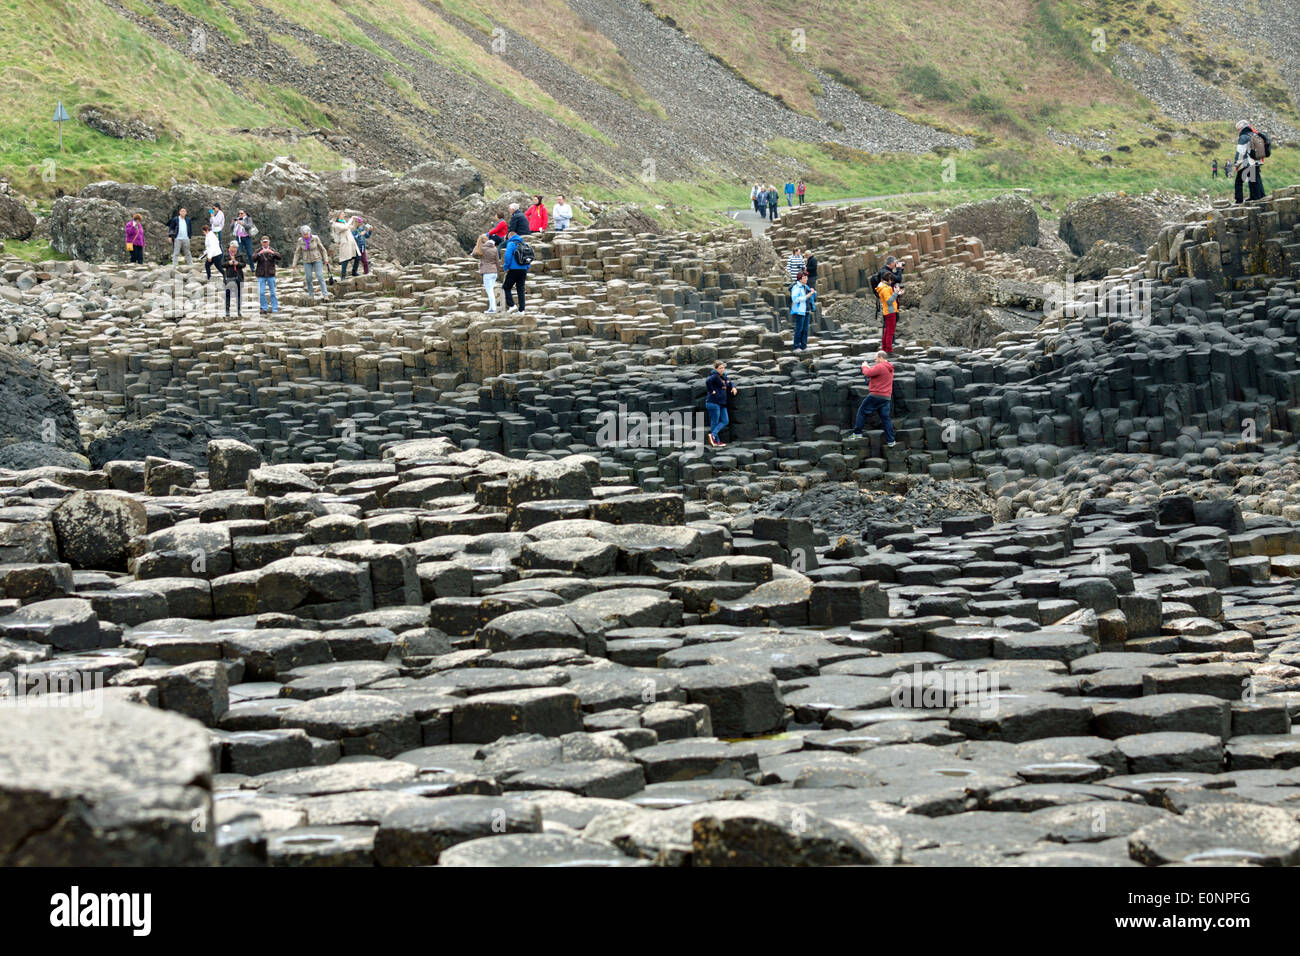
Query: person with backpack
{"type": "Point", "coordinates": [801, 304]}
{"type": "Point", "coordinates": [135, 239]}
{"type": "Point", "coordinates": [799, 191]}
{"type": "Point", "coordinates": [888, 289]}
{"type": "Point", "coordinates": [772, 204]}
{"type": "Point", "coordinates": [717, 387]}
{"type": "Point", "coordinates": [753, 197]}
{"type": "Point", "coordinates": [518, 257]}
{"type": "Point", "coordinates": [810, 264]}
{"type": "Point", "coordinates": [1253, 147]}
{"type": "Point", "coordinates": [264, 263]}
{"type": "Point", "coordinates": [880, 397]}
{"type": "Point", "coordinates": [489, 258]}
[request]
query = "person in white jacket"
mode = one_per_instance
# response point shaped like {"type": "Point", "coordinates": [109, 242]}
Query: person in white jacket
{"type": "Point", "coordinates": [561, 214]}
{"type": "Point", "coordinates": [212, 254]}
{"type": "Point", "coordinates": [345, 244]}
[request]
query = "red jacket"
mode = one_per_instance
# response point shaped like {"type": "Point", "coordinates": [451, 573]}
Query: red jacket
{"type": "Point", "coordinates": [498, 230]}
{"type": "Point", "coordinates": [880, 379]}
{"type": "Point", "coordinates": [537, 218]}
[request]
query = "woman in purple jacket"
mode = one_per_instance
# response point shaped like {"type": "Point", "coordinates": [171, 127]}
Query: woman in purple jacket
{"type": "Point", "coordinates": [135, 239]}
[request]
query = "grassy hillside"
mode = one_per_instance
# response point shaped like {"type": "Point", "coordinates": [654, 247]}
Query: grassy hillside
{"type": "Point", "coordinates": [1026, 80]}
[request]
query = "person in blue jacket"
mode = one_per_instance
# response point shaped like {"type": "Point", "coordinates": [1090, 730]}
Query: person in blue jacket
{"type": "Point", "coordinates": [802, 301]}
{"type": "Point", "coordinates": [789, 194]}
{"type": "Point", "coordinates": [516, 271]}
{"type": "Point", "coordinates": [718, 387]}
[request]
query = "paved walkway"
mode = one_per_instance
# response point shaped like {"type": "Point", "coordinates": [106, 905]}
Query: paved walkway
{"type": "Point", "coordinates": [758, 225]}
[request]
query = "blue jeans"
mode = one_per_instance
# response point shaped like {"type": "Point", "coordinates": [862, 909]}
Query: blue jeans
{"type": "Point", "coordinates": [800, 321]}
{"type": "Point", "coordinates": [317, 268]}
{"type": "Point", "coordinates": [266, 284]}
{"type": "Point", "coordinates": [718, 419]}
{"type": "Point", "coordinates": [246, 247]}
{"type": "Point", "coordinates": [876, 403]}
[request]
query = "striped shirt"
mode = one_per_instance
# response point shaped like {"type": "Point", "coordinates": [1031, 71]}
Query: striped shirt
{"type": "Point", "coordinates": [794, 265]}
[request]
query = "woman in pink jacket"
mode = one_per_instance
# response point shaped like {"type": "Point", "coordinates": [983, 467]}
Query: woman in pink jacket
{"type": "Point", "coordinates": [135, 239]}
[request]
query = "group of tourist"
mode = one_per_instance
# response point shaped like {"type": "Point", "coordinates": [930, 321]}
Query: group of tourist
{"type": "Point", "coordinates": [767, 199]}
{"type": "Point", "coordinates": [503, 248]}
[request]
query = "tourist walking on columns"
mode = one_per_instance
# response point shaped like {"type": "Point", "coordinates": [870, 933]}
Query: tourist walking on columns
{"type": "Point", "coordinates": [795, 265]}
{"type": "Point", "coordinates": [232, 270]}
{"type": "Point", "coordinates": [880, 397]}
{"type": "Point", "coordinates": [562, 213]}
{"type": "Point", "coordinates": [345, 245]}
{"type": "Point", "coordinates": [810, 265]}
{"type": "Point", "coordinates": [772, 204]}
{"type": "Point", "coordinates": [518, 257]}
{"type": "Point", "coordinates": [179, 231]}
{"type": "Point", "coordinates": [802, 300]}
{"type": "Point", "coordinates": [135, 239]}
{"type": "Point", "coordinates": [536, 215]}
{"type": "Point", "coordinates": [799, 191]}
{"type": "Point", "coordinates": [211, 252]}
{"type": "Point", "coordinates": [1253, 147]}
{"type": "Point", "coordinates": [518, 222]}
{"type": "Point", "coordinates": [361, 233]}
{"type": "Point", "coordinates": [489, 267]}
{"type": "Point", "coordinates": [244, 231]}
{"type": "Point", "coordinates": [888, 289]}
{"type": "Point", "coordinates": [315, 260]}
{"type": "Point", "coordinates": [264, 263]}
{"type": "Point", "coordinates": [217, 220]}
{"type": "Point", "coordinates": [717, 387]}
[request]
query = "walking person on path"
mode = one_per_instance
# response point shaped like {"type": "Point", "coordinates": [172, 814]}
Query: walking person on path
{"type": "Point", "coordinates": [754, 193]}
{"type": "Point", "coordinates": [345, 244]}
{"type": "Point", "coordinates": [179, 231]}
{"type": "Point", "coordinates": [135, 239]}
{"type": "Point", "coordinates": [880, 397]}
{"type": "Point", "coordinates": [211, 251]}
{"type": "Point", "coordinates": [789, 193]}
{"type": "Point", "coordinates": [516, 269]}
{"type": "Point", "coordinates": [772, 204]}
{"type": "Point", "coordinates": [717, 388]}
{"type": "Point", "coordinates": [562, 213]}
{"type": "Point", "coordinates": [243, 230]}
{"type": "Point", "coordinates": [799, 191]}
{"type": "Point", "coordinates": [536, 215]}
{"type": "Point", "coordinates": [264, 263]}
{"type": "Point", "coordinates": [489, 267]}
{"type": "Point", "coordinates": [232, 270]}
{"type": "Point", "coordinates": [315, 260]}
{"type": "Point", "coordinates": [761, 202]}
{"type": "Point", "coordinates": [361, 233]}
{"type": "Point", "coordinates": [801, 304]}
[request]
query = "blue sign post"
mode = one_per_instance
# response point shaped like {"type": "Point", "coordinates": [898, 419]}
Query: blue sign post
{"type": "Point", "coordinates": [61, 116]}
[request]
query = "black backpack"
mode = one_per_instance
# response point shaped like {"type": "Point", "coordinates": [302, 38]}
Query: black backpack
{"type": "Point", "coordinates": [524, 254]}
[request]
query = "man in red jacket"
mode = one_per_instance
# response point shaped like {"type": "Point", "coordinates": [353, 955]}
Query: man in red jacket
{"type": "Point", "coordinates": [880, 397]}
